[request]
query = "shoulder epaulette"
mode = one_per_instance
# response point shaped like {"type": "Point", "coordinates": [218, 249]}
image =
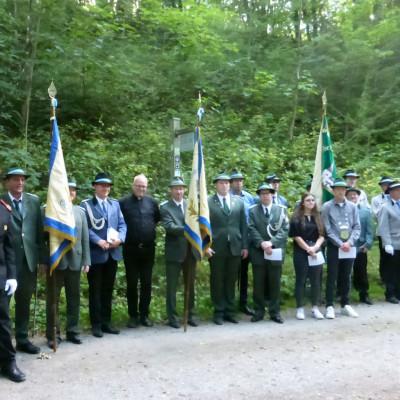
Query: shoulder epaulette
{"type": "Point", "coordinates": [6, 205]}
{"type": "Point", "coordinates": [254, 205]}
{"type": "Point", "coordinates": [164, 202]}
{"type": "Point", "coordinates": [281, 205]}
{"type": "Point", "coordinates": [81, 208]}
{"type": "Point", "coordinates": [32, 195]}
{"type": "Point", "coordinates": [44, 205]}
{"type": "Point", "coordinates": [85, 200]}
{"type": "Point", "coordinates": [111, 198]}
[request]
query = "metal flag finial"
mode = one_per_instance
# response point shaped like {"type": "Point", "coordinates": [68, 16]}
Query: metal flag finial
{"type": "Point", "coordinates": [52, 91]}
{"type": "Point", "coordinates": [324, 102]}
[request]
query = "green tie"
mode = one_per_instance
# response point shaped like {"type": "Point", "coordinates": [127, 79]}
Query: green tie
{"type": "Point", "coordinates": [226, 208]}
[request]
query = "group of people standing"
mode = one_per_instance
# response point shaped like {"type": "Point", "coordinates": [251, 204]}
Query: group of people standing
{"type": "Point", "coordinates": [246, 229]}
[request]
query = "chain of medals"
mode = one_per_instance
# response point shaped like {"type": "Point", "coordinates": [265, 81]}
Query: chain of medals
{"type": "Point", "coordinates": [97, 224]}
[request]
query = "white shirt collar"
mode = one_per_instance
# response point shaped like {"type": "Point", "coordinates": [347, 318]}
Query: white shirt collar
{"type": "Point", "coordinates": [268, 208]}
{"type": "Point", "coordinates": [13, 198]}
{"type": "Point", "coordinates": [178, 204]}
{"type": "Point", "coordinates": [227, 197]}
{"type": "Point", "coordinates": [101, 201]}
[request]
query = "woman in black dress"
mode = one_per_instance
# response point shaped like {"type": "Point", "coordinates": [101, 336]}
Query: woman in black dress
{"type": "Point", "coordinates": [307, 229]}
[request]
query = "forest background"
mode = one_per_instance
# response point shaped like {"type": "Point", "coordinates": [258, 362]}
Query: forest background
{"type": "Point", "coordinates": [123, 69]}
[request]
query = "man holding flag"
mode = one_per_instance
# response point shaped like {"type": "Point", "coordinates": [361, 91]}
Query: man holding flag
{"type": "Point", "coordinates": [27, 236]}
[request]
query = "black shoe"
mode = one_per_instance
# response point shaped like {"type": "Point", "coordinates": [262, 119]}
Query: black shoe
{"type": "Point", "coordinates": [365, 299]}
{"type": "Point", "coordinates": [12, 372]}
{"type": "Point", "coordinates": [174, 324]}
{"type": "Point", "coordinates": [133, 322]}
{"type": "Point", "coordinates": [393, 300]}
{"type": "Point", "coordinates": [28, 347]}
{"type": "Point", "coordinates": [277, 319]}
{"type": "Point", "coordinates": [246, 310]}
{"type": "Point", "coordinates": [218, 321]}
{"type": "Point", "coordinates": [107, 328]}
{"type": "Point", "coordinates": [229, 318]}
{"type": "Point", "coordinates": [50, 342]}
{"type": "Point", "coordinates": [74, 338]}
{"type": "Point", "coordinates": [145, 321]}
{"type": "Point", "coordinates": [97, 332]}
{"type": "Point", "coordinates": [193, 323]}
{"type": "Point", "coordinates": [257, 318]}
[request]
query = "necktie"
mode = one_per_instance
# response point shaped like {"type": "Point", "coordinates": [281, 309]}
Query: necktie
{"type": "Point", "coordinates": [180, 207]}
{"type": "Point", "coordinates": [398, 204]}
{"type": "Point", "coordinates": [266, 212]}
{"type": "Point", "coordinates": [16, 205]}
{"type": "Point", "coordinates": [273, 199]}
{"type": "Point", "coordinates": [226, 208]}
{"type": "Point", "coordinates": [104, 208]}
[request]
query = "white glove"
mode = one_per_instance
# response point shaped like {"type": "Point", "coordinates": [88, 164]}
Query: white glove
{"type": "Point", "coordinates": [11, 286]}
{"type": "Point", "coordinates": [389, 249]}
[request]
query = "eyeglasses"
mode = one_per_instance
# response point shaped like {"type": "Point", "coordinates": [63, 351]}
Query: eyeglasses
{"type": "Point", "coordinates": [140, 186]}
{"type": "Point", "coordinates": [310, 201]}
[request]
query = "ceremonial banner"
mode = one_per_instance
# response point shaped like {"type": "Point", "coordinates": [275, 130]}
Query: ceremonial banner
{"type": "Point", "coordinates": [324, 169]}
{"type": "Point", "coordinates": [197, 219]}
{"type": "Point", "coordinates": [59, 219]}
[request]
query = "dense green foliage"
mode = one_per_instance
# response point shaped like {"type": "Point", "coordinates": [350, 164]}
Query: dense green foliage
{"type": "Point", "coordinates": [123, 69]}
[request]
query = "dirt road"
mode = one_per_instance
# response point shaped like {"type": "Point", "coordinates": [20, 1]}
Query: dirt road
{"type": "Point", "coordinates": [345, 358]}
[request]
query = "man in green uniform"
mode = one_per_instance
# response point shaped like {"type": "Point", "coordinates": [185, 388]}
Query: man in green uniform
{"type": "Point", "coordinates": [68, 273]}
{"type": "Point", "coordinates": [230, 243]}
{"type": "Point", "coordinates": [268, 229]}
{"type": "Point", "coordinates": [178, 254]}
{"type": "Point", "coordinates": [27, 232]}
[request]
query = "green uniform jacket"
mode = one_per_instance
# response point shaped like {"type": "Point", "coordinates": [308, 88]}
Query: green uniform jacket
{"type": "Point", "coordinates": [27, 234]}
{"type": "Point", "coordinates": [258, 224]}
{"type": "Point", "coordinates": [173, 222]}
{"type": "Point", "coordinates": [232, 225]}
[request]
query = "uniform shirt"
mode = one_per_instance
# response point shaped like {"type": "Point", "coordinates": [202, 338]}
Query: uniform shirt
{"type": "Point", "coordinates": [227, 198]}
{"type": "Point", "coordinates": [376, 203]}
{"type": "Point", "coordinates": [19, 201]}
{"type": "Point", "coordinates": [338, 215]}
{"type": "Point", "coordinates": [141, 217]}
{"type": "Point", "coordinates": [248, 201]}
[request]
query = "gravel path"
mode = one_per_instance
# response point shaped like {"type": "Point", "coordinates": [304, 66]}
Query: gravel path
{"type": "Point", "coordinates": [345, 358]}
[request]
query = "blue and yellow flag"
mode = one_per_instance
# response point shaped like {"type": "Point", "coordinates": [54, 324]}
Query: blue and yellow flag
{"type": "Point", "coordinates": [197, 219]}
{"type": "Point", "coordinates": [59, 218]}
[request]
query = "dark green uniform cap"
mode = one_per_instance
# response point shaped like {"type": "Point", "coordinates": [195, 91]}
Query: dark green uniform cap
{"type": "Point", "coordinates": [222, 176]}
{"type": "Point", "coordinates": [16, 170]}
{"type": "Point", "coordinates": [177, 181]}
{"type": "Point", "coordinates": [265, 186]}
{"type": "Point", "coordinates": [353, 189]}
{"type": "Point", "coordinates": [339, 182]}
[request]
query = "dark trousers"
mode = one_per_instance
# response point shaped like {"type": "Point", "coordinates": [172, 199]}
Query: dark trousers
{"type": "Point", "coordinates": [392, 275]}
{"type": "Point", "coordinates": [7, 351]}
{"type": "Point", "coordinates": [338, 268]}
{"type": "Point", "coordinates": [23, 295]}
{"type": "Point", "coordinates": [268, 271]}
{"type": "Point", "coordinates": [383, 258]}
{"type": "Point", "coordinates": [173, 270]}
{"type": "Point", "coordinates": [71, 281]}
{"type": "Point", "coordinates": [139, 263]}
{"type": "Point", "coordinates": [223, 275]}
{"type": "Point", "coordinates": [243, 280]}
{"type": "Point", "coordinates": [303, 270]}
{"type": "Point", "coordinates": [360, 275]}
{"type": "Point", "coordinates": [101, 278]}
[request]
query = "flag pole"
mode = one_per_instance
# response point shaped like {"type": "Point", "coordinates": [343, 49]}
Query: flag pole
{"type": "Point", "coordinates": [188, 255]}
{"type": "Point", "coordinates": [52, 93]}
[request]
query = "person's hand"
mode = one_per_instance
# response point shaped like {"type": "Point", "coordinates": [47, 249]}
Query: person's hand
{"type": "Point", "coordinates": [11, 286]}
{"type": "Point", "coordinates": [85, 268]}
{"type": "Point", "coordinates": [103, 244]}
{"type": "Point", "coordinates": [389, 249]}
{"type": "Point", "coordinates": [345, 247]}
{"type": "Point", "coordinates": [266, 245]}
{"type": "Point", "coordinates": [244, 253]}
{"type": "Point", "coordinates": [364, 249]}
{"type": "Point", "coordinates": [43, 269]}
{"type": "Point", "coordinates": [115, 243]}
{"type": "Point", "coordinates": [209, 253]}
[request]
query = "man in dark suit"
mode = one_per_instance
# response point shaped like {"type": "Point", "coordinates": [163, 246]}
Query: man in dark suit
{"type": "Point", "coordinates": [268, 228]}
{"type": "Point", "coordinates": [230, 243]}
{"type": "Point", "coordinates": [68, 273]}
{"type": "Point", "coordinates": [178, 254]}
{"type": "Point", "coordinates": [27, 239]}
{"type": "Point", "coordinates": [8, 284]}
{"type": "Point", "coordinates": [142, 216]}
{"type": "Point", "coordinates": [107, 231]}
{"type": "Point", "coordinates": [389, 231]}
